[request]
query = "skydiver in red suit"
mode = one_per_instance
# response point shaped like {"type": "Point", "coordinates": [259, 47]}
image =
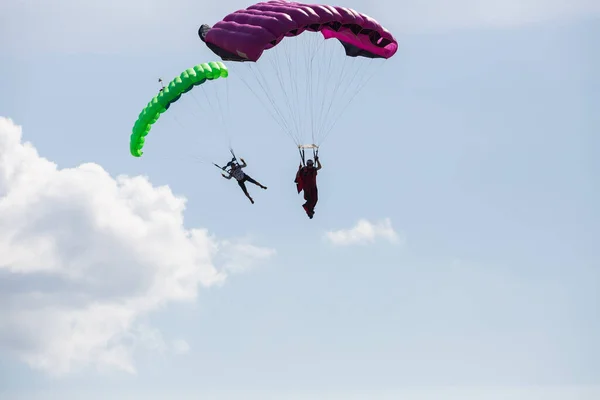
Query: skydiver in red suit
{"type": "Point", "coordinates": [306, 180]}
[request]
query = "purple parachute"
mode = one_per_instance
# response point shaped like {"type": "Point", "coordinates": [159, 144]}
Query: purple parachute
{"type": "Point", "coordinates": [245, 34]}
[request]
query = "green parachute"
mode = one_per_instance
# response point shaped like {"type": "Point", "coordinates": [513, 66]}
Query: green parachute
{"type": "Point", "coordinates": [170, 94]}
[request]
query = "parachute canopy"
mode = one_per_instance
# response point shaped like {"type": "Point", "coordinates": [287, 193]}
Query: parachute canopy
{"type": "Point", "coordinates": [183, 83]}
{"type": "Point", "coordinates": [306, 81]}
{"type": "Point", "coordinates": [245, 34]}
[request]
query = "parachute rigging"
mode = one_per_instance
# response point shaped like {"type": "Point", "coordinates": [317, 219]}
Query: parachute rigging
{"type": "Point", "coordinates": [317, 78]}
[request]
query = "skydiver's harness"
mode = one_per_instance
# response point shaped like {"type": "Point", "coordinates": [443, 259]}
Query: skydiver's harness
{"type": "Point", "coordinates": [314, 148]}
{"type": "Point", "coordinates": [230, 164]}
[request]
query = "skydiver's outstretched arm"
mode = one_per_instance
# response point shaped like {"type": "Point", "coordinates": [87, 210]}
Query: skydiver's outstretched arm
{"type": "Point", "coordinates": [225, 176]}
{"type": "Point", "coordinates": [243, 163]}
{"type": "Point", "coordinates": [318, 163]}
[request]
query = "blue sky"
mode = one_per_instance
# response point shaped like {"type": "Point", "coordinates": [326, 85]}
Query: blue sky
{"type": "Point", "coordinates": [464, 200]}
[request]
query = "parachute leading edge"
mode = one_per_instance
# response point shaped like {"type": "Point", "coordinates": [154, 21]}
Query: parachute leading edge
{"type": "Point", "coordinates": [170, 94]}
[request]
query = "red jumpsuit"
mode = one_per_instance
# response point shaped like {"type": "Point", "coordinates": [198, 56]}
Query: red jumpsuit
{"type": "Point", "coordinates": [306, 180]}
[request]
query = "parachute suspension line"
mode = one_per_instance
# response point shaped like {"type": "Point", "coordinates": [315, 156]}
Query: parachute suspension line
{"type": "Point", "coordinates": [187, 131]}
{"type": "Point", "coordinates": [227, 112]}
{"type": "Point", "coordinates": [223, 115]}
{"type": "Point", "coordinates": [349, 63]}
{"type": "Point", "coordinates": [325, 68]}
{"type": "Point", "coordinates": [267, 89]}
{"type": "Point", "coordinates": [204, 110]}
{"type": "Point", "coordinates": [321, 96]}
{"type": "Point", "coordinates": [298, 79]}
{"type": "Point", "coordinates": [200, 106]}
{"type": "Point", "coordinates": [227, 105]}
{"type": "Point", "coordinates": [313, 92]}
{"type": "Point", "coordinates": [277, 66]}
{"type": "Point", "coordinates": [313, 97]}
{"type": "Point", "coordinates": [281, 121]}
{"type": "Point", "coordinates": [298, 106]}
{"type": "Point", "coordinates": [172, 115]}
{"type": "Point", "coordinates": [276, 63]}
{"type": "Point", "coordinates": [185, 104]}
{"type": "Point", "coordinates": [333, 95]}
{"type": "Point", "coordinates": [208, 100]}
{"type": "Point", "coordinates": [183, 127]}
{"type": "Point", "coordinates": [219, 111]}
{"type": "Point", "coordinates": [210, 111]}
{"type": "Point", "coordinates": [313, 46]}
{"type": "Point", "coordinates": [356, 92]}
{"type": "Point", "coordinates": [332, 121]}
{"type": "Point", "coordinates": [309, 89]}
{"type": "Point", "coordinates": [308, 46]}
{"type": "Point", "coordinates": [357, 84]}
{"type": "Point", "coordinates": [197, 159]}
{"type": "Point", "coordinates": [335, 73]}
{"type": "Point", "coordinates": [337, 81]}
{"type": "Point", "coordinates": [303, 83]}
{"type": "Point", "coordinates": [192, 109]}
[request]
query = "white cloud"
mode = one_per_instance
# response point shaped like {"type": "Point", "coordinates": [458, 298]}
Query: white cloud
{"type": "Point", "coordinates": [241, 256]}
{"type": "Point", "coordinates": [180, 346]}
{"type": "Point", "coordinates": [364, 232]}
{"type": "Point", "coordinates": [84, 257]}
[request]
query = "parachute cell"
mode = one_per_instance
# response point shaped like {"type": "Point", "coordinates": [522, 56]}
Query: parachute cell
{"type": "Point", "coordinates": [170, 94]}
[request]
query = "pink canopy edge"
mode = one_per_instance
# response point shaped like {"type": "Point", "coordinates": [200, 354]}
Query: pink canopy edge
{"type": "Point", "coordinates": [248, 33]}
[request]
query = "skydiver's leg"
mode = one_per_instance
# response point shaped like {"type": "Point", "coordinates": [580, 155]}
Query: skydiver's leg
{"type": "Point", "coordinates": [308, 204]}
{"type": "Point", "coordinates": [243, 186]}
{"type": "Point", "coordinates": [311, 197]}
{"type": "Point", "coordinates": [306, 200]}
{"type": "Point", "coordinates": [249, 179]}
{"type": "Point", "coordinates": [309, 211]}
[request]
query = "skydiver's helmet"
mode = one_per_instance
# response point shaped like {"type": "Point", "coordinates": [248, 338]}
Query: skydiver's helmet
{"type": "Point", "coordinates": [232, 165]}
{"type": "Point", "coordinates": [310, 163]}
